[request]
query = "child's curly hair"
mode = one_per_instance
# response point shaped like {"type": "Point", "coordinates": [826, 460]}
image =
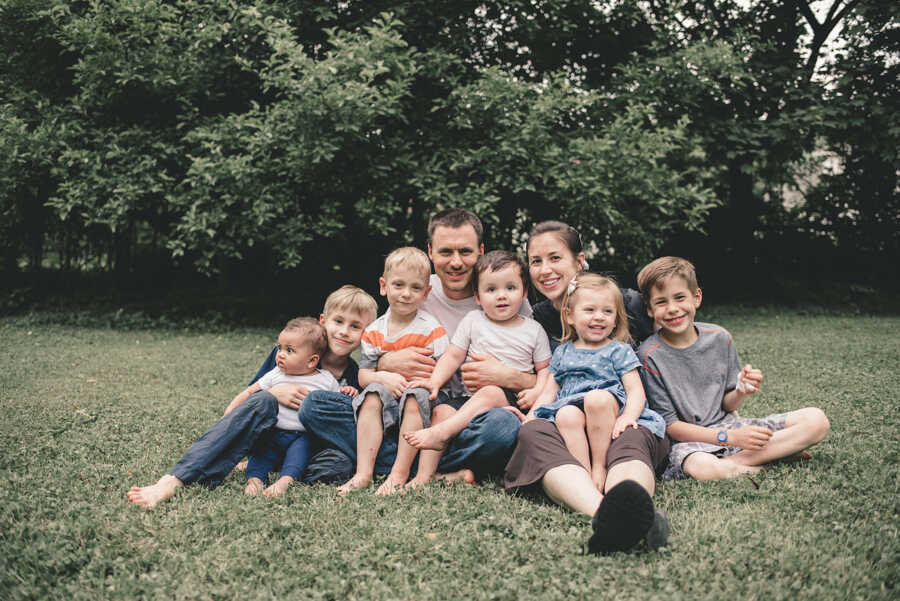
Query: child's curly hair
{"type": "Point", "coordinates": [593, 281]}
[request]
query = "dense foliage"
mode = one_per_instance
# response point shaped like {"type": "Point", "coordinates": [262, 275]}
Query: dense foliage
{"type": "Point", "coordinates": [248, 139]}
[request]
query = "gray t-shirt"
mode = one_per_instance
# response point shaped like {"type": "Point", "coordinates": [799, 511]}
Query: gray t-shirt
{"type": "Point", "coordinates": [687, 384]}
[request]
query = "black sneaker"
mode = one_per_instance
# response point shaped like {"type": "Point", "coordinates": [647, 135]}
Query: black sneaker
{"type": "Point", "coordinates": [658, 535]}
{"type": "Point", "coordinates": [625, 515]}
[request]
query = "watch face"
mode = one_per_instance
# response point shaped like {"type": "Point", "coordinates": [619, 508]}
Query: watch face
{"type": "Point", "coordinates": [722, 436]}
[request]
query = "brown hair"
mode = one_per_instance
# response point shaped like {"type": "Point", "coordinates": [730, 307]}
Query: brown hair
{"type": "Point", "coordinates": [567, 234]}
{"type": "Point", "coordinates": [312, 332]}
{"type": "Point", "coordinates": [663, 268]}
{"type": "Point", "coordinates": [455, 218]}
{"type": "Point", "coordinates": [496, 260]}
{"type": "Point", "coordinates": [592, 281]}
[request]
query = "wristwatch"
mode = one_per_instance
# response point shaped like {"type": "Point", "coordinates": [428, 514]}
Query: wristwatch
{"type": "Point", "coordinates": [722, 437]}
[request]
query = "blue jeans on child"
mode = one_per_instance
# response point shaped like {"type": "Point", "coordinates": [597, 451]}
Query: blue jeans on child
{"type": "Point", "coordinates": [284, 451]}
{"type": "Point", "coordinates": [484, 446]}
{"type": "Point", "coordinates": [210, 459]}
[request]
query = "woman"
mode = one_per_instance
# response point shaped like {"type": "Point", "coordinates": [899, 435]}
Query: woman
{"type": "Point", "coordinates": [625, 514]}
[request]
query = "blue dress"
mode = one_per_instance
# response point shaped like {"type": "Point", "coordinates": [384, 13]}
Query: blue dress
{"type": "Point", "coordinates": [579, 371]}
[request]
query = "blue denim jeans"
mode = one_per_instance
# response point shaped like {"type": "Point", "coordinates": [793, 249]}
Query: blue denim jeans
{"type": "Point", "coordinates": [210, 459]}
{"type": "Point", "coordinates": [284, 451]}
{"type": "Point", "coordinates": [484, 446]}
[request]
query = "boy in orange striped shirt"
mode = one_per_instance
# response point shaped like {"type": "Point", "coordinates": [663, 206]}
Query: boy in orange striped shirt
{"type": "Point", "coordinates": [387, 399]}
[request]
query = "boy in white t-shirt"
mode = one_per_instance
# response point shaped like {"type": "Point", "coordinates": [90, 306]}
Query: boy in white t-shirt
{"type": "Point", "coordinates": [499, 281]}
{"type": "Point", "coordinates": [301, 345]}
{"type": "Point", "coordinates": [388, 398]}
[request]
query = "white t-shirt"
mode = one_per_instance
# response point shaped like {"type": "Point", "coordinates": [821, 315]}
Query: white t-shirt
{"type": "Point", "coordinates": [449, 313]}
{"type": "Point", "coordinates": [519, 346]}
{"type": "Point", "coordinates": [320, 379]}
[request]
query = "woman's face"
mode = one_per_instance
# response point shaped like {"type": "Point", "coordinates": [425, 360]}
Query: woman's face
{"type": "Point", "coordinates": [551, 265]}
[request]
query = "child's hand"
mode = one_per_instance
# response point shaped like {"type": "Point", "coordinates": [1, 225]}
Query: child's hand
{"type": "Point", "coordinates": [515, 411]}
{"type": "Point", "coordinates": [527, 397]}
{"type": "Point", "coordinates": [621, 423]}
{"type": "Point", "coordinates": [749, 380]}
{"type": "Point", "coordinates": [349, 391]}
{"type": "Point", "coordinates": [395, 383]}
{"type": "Point", "coordinates": [751, 438]}
{"type": "Point", "coordinates": [426, 384]}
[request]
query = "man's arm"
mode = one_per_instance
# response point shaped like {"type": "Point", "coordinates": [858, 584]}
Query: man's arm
{"type": "Point", "coordinates": [485, 370]}
{"type": "Point", "coordinates": [414, 362]}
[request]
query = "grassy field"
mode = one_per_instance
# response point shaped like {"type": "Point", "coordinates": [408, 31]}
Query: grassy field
{"type": "Point", "coordinates": [85, 413]}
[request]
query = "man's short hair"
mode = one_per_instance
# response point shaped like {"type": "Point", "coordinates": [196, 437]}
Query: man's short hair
{"type": "Point", "coordinates": [411, 257]}
{"type": "Point", "coordinates": [312, 332]}
{"type": "Point", "coordinates": [496, 260]}
{"type": "Point", "coordinates": [663, 268]}
{"type": "Point", "coordinates": [454, 218]}
{"type": "Point", "coordinates": [351, 299]}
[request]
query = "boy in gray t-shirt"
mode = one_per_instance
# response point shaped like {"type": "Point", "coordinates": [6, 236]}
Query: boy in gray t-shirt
{"type": "Point", "coordinates": [692, 377]}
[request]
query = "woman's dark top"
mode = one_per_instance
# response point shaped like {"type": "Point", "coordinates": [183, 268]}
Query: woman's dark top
{"type": "Point", "coordinates": [640, 325]}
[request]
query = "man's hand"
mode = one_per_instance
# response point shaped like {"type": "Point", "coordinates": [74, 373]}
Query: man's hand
{"type": "Point", "coordinates": [751, 438]}
{"type": "Point", "coordinates": [484, 370]}
{"type": "Point", "coordinates": [289, 395]}
{"type": "Point", "coordinates": [411, 362]}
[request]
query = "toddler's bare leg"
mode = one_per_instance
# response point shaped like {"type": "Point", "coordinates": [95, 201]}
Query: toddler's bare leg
{"type": "Point", "coordinates": [149, 496]}
{"type": "Point", "coordinates": [278, 488]}
{"type": "Point", "coordinates": [601, 410]}
{"type": "Point", "coordinates": [570, 422]}
{"type": "Point", "coordinates": [804, 428]}
{"type": "Point", "coordinates": [254, 486]}
{"type": "Point", "coordinates": [429, 459]}
{"type": "Point", "coordinates": [406, 453]}
{"type": "Point", "coordinates": [438, 436]}
{"type": "Point", "coordinates": [369, 432]}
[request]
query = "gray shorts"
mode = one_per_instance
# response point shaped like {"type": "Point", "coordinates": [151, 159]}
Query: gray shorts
{"type": "Point", "coordinates": [392, 408]}
{"type": "Point", "coordinates": [681, 450]}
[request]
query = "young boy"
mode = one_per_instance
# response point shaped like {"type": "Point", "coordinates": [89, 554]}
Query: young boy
{"type": "Point", "coordinates": [211, 458]}
{"type": "Point", "coordinates": [499, 281]}
{"type": "Point", "coordinates": [693, 378]}
{"type": "Point", "coordinates": [388, 397]}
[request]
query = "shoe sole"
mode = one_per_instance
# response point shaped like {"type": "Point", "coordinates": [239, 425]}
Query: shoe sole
{"type": "Point", "coordinates": [625, 515]}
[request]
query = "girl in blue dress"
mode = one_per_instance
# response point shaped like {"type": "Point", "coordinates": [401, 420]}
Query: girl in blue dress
{"type": "Point", "coordinates": [596, 391]}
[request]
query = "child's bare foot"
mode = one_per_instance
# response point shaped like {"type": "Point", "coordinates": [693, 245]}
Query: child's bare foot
{"type": "Point", "coordinates": [391, 485]}
{"type": "Point", "coordinates": [241, 466]}
{"type": "Point", "coordinates": [418, 482]}
{"type": "Point", "coordinates": [357, 482]}
{"type": "Point", "coordinates": [254, 487]}
{"type": "Point", "coordinates": [427, 438]}
{"type": "Point", "coordinates": [466, 476]}
{"type": "Point", "coordinates": [278, 488]}
{"type": "Point", "coordinates": [149, 496]}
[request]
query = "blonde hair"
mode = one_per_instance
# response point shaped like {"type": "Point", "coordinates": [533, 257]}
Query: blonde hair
{"type": "Point", "coordinates": [411, 257]}
{"type": "Point", "coordinates": [352, 299]}
{"type": "Point", "coordinates": [663, 268]}
{"type": "Point", "coordinates": [592, 281]}
{"type": "Point", "coordinates": [312, 332]}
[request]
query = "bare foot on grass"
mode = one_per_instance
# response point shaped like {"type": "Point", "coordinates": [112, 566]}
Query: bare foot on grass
{"type": "Point", "coordinates": [149, 496]}
{"type": "Point", "coordinates": [418, 482]}
{"type": "Point", "coordinates": [427, 438]}
{"type": "Point", "coordinates": [392, 484]}
{"type": "Point", "coordinates": [357, 482]}
{"type": "Point", "coordinates": [465, 476]}
{"type": "Point", "coordinates": [241, 466]}
{"type": "Point", "coordinates": [278, 489]}
{"type": "Point", "coordinates": [254, 487]}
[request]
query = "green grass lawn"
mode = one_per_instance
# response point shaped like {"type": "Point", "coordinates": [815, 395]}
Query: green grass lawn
{"type": "Point", "coordinates": [85, 413]}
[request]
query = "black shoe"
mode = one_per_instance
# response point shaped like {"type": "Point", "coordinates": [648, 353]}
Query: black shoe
{"type": "Point", "coordinates": [658, 535]}
{"type": "Point", "coordinates": [623, 518]}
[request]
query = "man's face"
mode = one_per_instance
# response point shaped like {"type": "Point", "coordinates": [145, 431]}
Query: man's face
{"type": "Point", "coordinates": [453, 252]}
